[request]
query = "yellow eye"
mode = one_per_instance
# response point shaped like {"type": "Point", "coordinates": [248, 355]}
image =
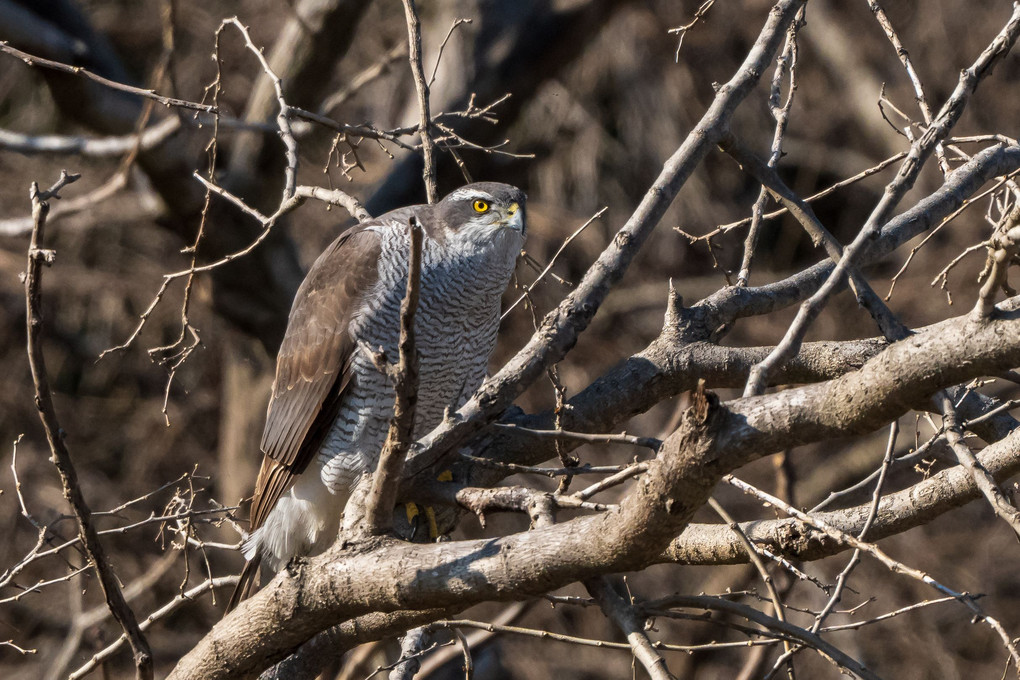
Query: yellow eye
{"type": "Point", "coordinates": [480, 206]}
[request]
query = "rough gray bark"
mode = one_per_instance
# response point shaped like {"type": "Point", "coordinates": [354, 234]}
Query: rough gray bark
{"type": "Point", "coordinates": [713, 441]}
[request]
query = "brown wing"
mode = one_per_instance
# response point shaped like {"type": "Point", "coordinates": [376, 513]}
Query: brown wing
{"type": "Point", "coordinates": [313, 366]}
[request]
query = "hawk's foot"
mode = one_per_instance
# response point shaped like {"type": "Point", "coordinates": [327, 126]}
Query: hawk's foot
{"type": "Point", "coordinates": [414, 516]}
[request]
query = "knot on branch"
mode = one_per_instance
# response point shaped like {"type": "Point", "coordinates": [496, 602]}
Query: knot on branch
{"type": "Point", "coordinates": [682, 325]}
{"type": "Point", "coordinates": [45, 255]}
{"type": "Point", "coordinates": [1003, 248]}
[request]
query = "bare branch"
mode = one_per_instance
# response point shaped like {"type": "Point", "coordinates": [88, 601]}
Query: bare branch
{"type": "Point", "coordinates": [335, 197]}
{"type": "Point", "coordinates": [915, 80]}
{"type": "Point", "coordinates": [752, 554]}
{"type": "Point", "coordinates": [89, 146]}
{"type": "Point", "coordinates": [422, 88]}
{"type": "Point", "coordinates": [982, 478]}
{"type": "Point", "coordinates": [787, 62]}
{"type": "Point", "coordinates": [919, 153]}
{"type": "Point", "coordinates": [890, 326]}
{"type": "Point", "coordinates": [32, 60]}
{"type": "Point", "coordinates": [1002, 250]}
{"type": "Point", "coordinates": [876, 552]}
{"type": "Point", "coordinates": [282, 117]}
{"type": "Point", "coordinates": [61, 457]}
{"type": "Point", "coordinates": [412, 646]}
{"type": "Point", "coordinates": [752, 614]}
{"type": "Point", "coordinates": [386, 478]}
{"type": "Point", "coordinates": [161, 613]}
{"type": "Point", "coordinates": [561, 326]}
{"type": "Point", "coordinates": [623, 614]}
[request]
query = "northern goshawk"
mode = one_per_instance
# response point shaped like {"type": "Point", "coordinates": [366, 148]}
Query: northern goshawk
{"type": "Point", "coordinates": [330, 407]}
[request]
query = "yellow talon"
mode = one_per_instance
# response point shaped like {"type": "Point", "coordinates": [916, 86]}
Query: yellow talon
{"type": "Point", "coordinates": [411, 510]}
{"type": "Point", "coordinates": [413, 513]}
{"type": "Point", "coordinates": [430, 515]}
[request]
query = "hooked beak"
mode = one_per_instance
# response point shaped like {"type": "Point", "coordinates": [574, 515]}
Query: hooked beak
{"type": "Point", "coordinates": [514, 218]}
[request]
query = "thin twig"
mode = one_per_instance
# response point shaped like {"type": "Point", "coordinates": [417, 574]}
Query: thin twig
{"type": "Point", "coordinates": [915, 80]}
{"type": "Point", "coordinates": [422, 88]}
{"type": "Point", "coordinates": [919, 153]}
{"type": "Point", "coordinates": [890, 327]}
{"type": "Point", "coordinates": [442, 47]}
{"type": "Point", "coordinates": [787, 62]}
{"type": "Point", "coordinates": [752, 554]}
{"type": "Point", "coordinates": [612, 480]}
{"type": "Point", "coordinates": [386, 478]}
{"type": "Point", "coordinates": [876, 552]}
{"type": "Point", "coordinates": [774, 624]}
{"type": "Point", "coordinates": [983, 480]}
{"type": "Point", "coordinates": [33, 60]}
{"type": "Point", "coordinates": [282, 116]}
{"type": "Point", "coordinates": [591, 437]}
{"type": "Point", "coordinates": [855, 558]}
{"type": "Point", "coordinates": [682, 30]}
{"type": "Point", "coordinates": [863, 174]}
{"type": "Point", "coordinates": [170, 607]}
{"type": "Point", "coordinates": [529, 287]}
{"type": "Point", "coordinates": [61, 457]}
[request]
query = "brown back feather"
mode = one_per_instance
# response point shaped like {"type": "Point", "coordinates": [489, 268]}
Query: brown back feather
{"type": "Point", "coordinates": [313, 368]}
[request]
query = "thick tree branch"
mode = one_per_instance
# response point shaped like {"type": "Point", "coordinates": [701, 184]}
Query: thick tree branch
{"type": "Point", "coordinates": [711, 443]}
{"type": "Point", "coordinates": [462, 572]}
{"type": "Point", "coordinates": [897, 512]}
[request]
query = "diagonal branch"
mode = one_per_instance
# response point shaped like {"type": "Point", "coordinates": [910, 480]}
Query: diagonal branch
{"type": "Point", "coordinates": [386, 478]}
{"type": "Point", "coordinates": [920, 151]}
{"type": "Point", "coordinates": [33, 60]}
{"type": "Point", "coordinates": [766, 175]}
{"type": "Point", "coordinates": [983, 479]}
{"type": "Point", "coordinates": [623, 614]}
{"type": "Point", "coordinates": [61, 457]}
{"type": "Point", "coordinates": [562, 326]}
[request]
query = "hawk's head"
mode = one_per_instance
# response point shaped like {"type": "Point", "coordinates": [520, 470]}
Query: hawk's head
{"type": "Point", "coordinates": [484, 213]}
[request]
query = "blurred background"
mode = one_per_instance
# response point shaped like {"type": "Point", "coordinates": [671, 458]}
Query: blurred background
{"type": "Point", "coordinates": [600, 96]}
